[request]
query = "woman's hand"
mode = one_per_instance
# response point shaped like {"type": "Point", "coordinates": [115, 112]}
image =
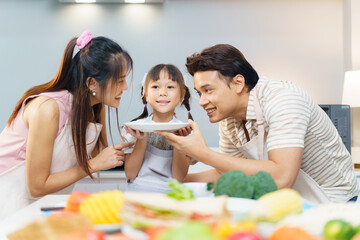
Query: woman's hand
{"type": "Point", "coordinates": [110, 157]}
{"type": "Point", "coordinates": [136, 133]}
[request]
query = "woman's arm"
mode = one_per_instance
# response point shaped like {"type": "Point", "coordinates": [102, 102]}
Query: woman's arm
{"type": "Point", "coordinates": [134, 160]}
{"type": "Point", "coordinates": [41, 116]}
{"type": "Point", "coordinates": [180, 165]}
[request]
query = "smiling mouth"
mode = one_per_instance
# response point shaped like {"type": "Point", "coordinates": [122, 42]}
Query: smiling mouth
{"type": "Point", "coordinates": [210, 111]}
{"type": "Point", "coordinates": [118, 97]}
{"type": "Point", "coordinates": [163, 103]}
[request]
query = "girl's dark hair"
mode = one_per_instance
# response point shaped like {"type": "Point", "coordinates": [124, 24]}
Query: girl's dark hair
{"type": "Point", "coordinates": [225, 59]}
{"type": "Point", "coordinates": [175, 75]}
{"type": "Point", "coordinates": [101, 59]}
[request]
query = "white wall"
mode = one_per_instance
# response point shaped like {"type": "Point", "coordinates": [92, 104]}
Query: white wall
{"type": "Point", "coordinates": [355, 34]}
{"type": "Point", "coordinates": [295, 40]}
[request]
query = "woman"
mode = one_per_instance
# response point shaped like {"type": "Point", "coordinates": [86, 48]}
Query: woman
{"type": "Point", "coordinates": [56, 134]}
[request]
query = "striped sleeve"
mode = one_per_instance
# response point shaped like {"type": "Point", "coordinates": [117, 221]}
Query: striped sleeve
{"type": "Point", "coordinates": [288, 116]}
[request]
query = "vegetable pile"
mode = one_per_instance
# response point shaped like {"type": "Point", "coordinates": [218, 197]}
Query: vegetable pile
{"type": "Point", "coordinates": [179, 191]}
{"type": "Point", "coordinates": [237, 184]}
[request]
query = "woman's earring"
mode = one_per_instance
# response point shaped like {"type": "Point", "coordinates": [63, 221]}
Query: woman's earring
{"type": "Point", "coordinates": [93, 92]}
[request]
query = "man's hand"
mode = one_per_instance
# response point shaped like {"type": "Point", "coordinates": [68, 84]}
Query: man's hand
{"type": "Point", "coordinates": [191, 145]}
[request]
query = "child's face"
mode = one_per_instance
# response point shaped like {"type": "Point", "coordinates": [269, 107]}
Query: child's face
{"type": "Point", "coordinates": [163, 96]}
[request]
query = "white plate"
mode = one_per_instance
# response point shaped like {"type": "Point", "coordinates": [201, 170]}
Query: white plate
{"type": "Point", "coordinates": [199, 189]}
{"type": "Point", "coordinates": [239, 205]}
{"type": "Point", "coordinates": [150, 127]}
{"type": "Point", "coordinates": [109, 228]}
{"type": "Point", "coordinates": [126, 230]}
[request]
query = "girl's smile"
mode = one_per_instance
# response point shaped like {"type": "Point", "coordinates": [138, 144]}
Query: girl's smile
{"type": "Point", "coordinates": [163, 95]}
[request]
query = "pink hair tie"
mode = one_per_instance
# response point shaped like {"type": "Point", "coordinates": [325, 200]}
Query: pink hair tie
{"type": "Point", "coordinates": [84, 39]}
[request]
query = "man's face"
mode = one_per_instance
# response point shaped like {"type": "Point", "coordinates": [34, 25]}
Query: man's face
{"type": "Point", "coordinates": [216, 96]}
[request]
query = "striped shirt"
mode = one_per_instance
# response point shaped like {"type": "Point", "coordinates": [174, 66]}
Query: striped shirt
{"type": "Point", "coordinates": [292, 119]}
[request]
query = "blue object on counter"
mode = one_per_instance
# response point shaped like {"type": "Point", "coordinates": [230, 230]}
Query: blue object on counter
{"type": "Point", "coordinates": [307, 206]}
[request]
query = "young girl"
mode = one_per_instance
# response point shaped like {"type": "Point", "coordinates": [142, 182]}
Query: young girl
{"type": "Point", "coordinates": [153, 162]}
{"type": "Point", "coordinates": [55, 127]}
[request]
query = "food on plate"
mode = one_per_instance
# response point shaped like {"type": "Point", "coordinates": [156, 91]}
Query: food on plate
{"type": "Point", "coordinates": [89, 234]}
{"type": "Point", "coordinates": [234, 184]}
{"type": "Point", "coordinates": [314, 219]}
{"type": "Point", "coordinates": [276, 205]}
{"type": "Point", "coordinates": [338, 229]}
{"type": "Point", "coordinates": [74, 200]}
{"type": "Point", "coordinates": [357, 229]}
{"type": "Point", "coordinates": [179, 191]}
{"type": "Point", "coordinates": [103, 207]}
{"type": "Point", "coordinates": [263, 183]}
{"type": "Point", "coordinates": [244, 236]}
{"type": "Point", "coordinates": [191, 230]}
{"type": "Point", "coordinates": [237, 184]}
{"type": "Point", "coordinates": [226, 228]}
{"type": "Point", "coordinates": [52, 227]}
{"type": "Point", "coordinates": [154, 232]}
{"type": "Point", "coordinates": [293, 233]}
{"type": "Point", "coordinates": [210, 186]}
{"type": "Point", "coordinates": [143, 210]}
{"type": "Point", "coordinates": [356, 237]}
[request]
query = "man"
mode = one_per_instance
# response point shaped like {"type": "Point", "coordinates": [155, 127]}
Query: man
{"type": "Point", "coordinates": [275, 123]}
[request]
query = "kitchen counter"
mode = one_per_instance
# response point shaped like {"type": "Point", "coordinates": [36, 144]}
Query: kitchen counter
{"type": "Point", "coordinates": [28, 214]}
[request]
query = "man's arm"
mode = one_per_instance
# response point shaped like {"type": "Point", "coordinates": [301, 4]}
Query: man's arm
{"type": "Point", "coordinates": [283, 163]}
{"type": "Point", "coordinates": [204, 176]}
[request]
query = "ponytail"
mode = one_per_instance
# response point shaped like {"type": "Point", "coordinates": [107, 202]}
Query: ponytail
{"type": "Point", "coordinates": [186, 103]}
{"type": "Point", "coordinates": [145, 113]}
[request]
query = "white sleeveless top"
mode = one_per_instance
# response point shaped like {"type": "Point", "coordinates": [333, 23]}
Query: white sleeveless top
{"type": "Point", "coordinates": [13, 180]}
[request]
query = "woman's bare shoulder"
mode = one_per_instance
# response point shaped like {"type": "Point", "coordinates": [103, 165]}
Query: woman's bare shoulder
{"type": "Point", "coordinates": [41, 108]}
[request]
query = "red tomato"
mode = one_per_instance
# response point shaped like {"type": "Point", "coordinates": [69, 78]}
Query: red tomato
{"type": "Point", "coordinates": [149, 213]}
{"type": "Point", "coordinates": [244, 236]}
{"type": "Point", "coordinates": [74, 200]}
{"type": "Point", "coordinates": [198, 216]}
{"type": "Point", "coordinates": [153, 232]}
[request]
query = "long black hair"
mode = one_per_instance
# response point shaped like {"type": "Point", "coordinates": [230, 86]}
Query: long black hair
{"type": "Point", "coordinates": [101, 59]}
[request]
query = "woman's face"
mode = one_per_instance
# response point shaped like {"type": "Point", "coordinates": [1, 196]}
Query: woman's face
{"type": "Point", "coordinates": [111, 95]}
{"type": "Point", "coordinates": [163, 95]}
{"type": "Point", "coordinates": [113, 92]}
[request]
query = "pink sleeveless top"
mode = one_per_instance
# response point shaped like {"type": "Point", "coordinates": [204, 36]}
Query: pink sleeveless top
{"type": "Point", "coordinates": [13, 139]}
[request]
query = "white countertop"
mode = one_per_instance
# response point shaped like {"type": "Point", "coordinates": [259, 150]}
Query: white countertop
{"type": "Point", "coordinates": [26, 215]}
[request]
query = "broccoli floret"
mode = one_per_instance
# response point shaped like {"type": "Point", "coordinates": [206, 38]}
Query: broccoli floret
{"type": "Point", "coordinates": [262, 183]}
{"type": "Point", "coordinates": [234, 184]}
{"type": "Point", "coordinates": [210, 186]}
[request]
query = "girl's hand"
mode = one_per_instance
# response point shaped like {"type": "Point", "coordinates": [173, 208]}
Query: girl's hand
{"type": "Point", "coordinates": [110, 157]}
{"type": "Point", "coordinates": [183, 131]}
{"type": "Point", "coordinates": [136, 133]}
